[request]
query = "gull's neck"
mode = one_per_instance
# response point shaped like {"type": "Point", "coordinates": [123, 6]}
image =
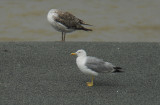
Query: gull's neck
{"type": "Point", "coordinates": [82, 57]}
{"type": "Point", "coordinates": [81, 60]}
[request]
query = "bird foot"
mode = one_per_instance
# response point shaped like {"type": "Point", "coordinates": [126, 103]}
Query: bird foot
{"type": "Point", "coordinates": [89, 84]}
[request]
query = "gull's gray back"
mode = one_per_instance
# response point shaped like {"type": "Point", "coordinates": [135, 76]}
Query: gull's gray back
{"type": "Point", "coordinates": [98, 65]}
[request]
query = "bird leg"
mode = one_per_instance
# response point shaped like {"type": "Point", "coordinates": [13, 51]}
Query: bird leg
{"type": "Point", "coordinates": [62, 36]}
{"type": "Point", "coordinates": [90, 83]}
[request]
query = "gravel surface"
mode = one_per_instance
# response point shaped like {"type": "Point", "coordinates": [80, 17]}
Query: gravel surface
{"type": "Point", "coordinates": [44, 73]}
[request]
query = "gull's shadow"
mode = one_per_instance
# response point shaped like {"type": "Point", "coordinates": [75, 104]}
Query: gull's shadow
{"type": "Point", "coordinates": [110, 83]}
{"type": "Point", "coordinates": [105, 83]}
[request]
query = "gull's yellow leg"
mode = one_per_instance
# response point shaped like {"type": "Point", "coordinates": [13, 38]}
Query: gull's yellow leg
{"type": "Point", "coordinates": [90, 83]}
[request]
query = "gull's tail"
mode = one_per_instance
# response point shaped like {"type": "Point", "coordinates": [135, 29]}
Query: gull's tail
{"type": "Point", "coordinates": [117, 69]}
{"type": "Point", "coordinates": [80, 27]}
{"type": "Point", "coordinates": [86, 29]}
{"type": "Point", "coordinates": [83, 23]}
{"type": "Point", "coordinates": [83, 28]}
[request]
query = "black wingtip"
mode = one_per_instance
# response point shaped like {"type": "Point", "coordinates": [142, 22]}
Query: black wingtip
{"type": "Point", "coordinates": [117, 69]}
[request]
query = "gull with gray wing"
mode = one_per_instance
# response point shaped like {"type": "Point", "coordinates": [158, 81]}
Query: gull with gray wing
{"type": "Point", "coordinates": [93, 66]}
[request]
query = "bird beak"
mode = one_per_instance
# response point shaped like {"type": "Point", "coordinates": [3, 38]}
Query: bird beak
{"type": "Point", "coordinates": [73, 54]}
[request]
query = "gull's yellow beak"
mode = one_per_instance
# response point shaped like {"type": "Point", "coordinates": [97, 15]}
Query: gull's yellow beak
{"type": "Point", "coordinates": [73, 54]}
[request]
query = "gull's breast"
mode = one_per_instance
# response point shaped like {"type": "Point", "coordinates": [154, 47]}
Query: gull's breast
{"type": "Point", "coordinates": [83, 68]}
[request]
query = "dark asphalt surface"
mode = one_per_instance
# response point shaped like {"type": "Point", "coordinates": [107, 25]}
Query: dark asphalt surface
{"type": "Point", "coordinates": [44, 73]}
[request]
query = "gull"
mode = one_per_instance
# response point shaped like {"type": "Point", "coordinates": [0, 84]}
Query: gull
{"type": "Point", "coordinates": [65, 22]}
{"type": "Point", "coordinates": [93, 66]}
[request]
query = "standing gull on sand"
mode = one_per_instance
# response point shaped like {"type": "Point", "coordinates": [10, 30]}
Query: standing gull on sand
{"type": "Point", "coordinates": [65, 22]}
{"type": "Point", "coordinates": [92, 65]}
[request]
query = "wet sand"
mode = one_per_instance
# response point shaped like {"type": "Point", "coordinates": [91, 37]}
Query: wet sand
{"type": "Point", "coordinates": [112, 20]}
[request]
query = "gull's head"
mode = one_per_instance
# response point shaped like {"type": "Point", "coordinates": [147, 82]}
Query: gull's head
{"type": "Point", "coordinates": [80, 53]}
{"type": "Point", "coordinates": [51, 14]}
{"type": "Point", "coordinates": [52, 11]}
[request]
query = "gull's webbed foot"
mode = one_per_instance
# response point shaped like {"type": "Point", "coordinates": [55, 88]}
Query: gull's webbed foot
{"type": "Point", "coordinates": [89, 84]}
